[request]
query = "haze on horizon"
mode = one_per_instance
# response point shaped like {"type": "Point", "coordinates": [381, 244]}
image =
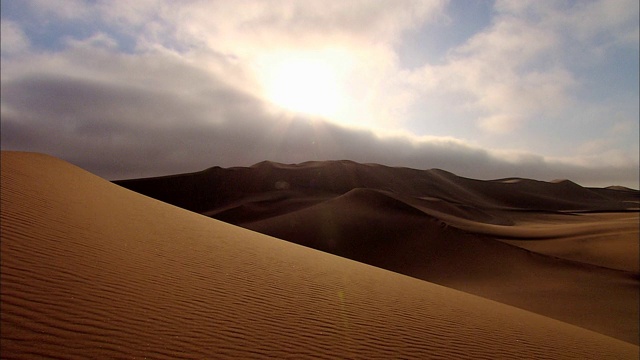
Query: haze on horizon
{"type": "Point", "coordinates": [484, 89]}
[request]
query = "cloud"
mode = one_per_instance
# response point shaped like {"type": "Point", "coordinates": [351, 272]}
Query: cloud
{"type": "Point", "coordinates": [257, 25]}
{"type": "Point", "coordinates": [244, 28]}
{"type": "Point", "coordinates": [124, 116]}
{"type": "Point", "coordinates": [14, 41]}
{"type": "Point", "coordinates": [363, 32]}
{"type": "Point", "coordinates": [150, 88]}
{"type": "Point", "coordinates": [508, 72]}
{"type": "Point", "coordinates": [530, 62]}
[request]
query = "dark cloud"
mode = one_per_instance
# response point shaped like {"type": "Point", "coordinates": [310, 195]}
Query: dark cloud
{"type": "Point", "coordinates": [121, 128]}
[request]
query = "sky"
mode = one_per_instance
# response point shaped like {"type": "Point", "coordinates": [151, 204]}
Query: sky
{"type": "Point", "coordinates": [485, 89]}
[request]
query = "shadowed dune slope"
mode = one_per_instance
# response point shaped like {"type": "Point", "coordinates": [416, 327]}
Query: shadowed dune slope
{"type": "Point", "coordinates": [91, 270]}
{"type": "Point", "coordinates": [212, 188]}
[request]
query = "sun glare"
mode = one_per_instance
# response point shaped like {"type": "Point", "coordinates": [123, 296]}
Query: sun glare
{"type": "Point", "coordinates": [307, 83]}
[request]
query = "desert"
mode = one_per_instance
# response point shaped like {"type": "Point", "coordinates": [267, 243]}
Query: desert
{"type": "Point", "coordinates": [453, 268]}
{"type": "Point", "coordinates": [370, 179]}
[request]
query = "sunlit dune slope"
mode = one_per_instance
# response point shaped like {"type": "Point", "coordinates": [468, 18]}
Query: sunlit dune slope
{"type": "Point", "coordinates": [91, 270]}
{"type": "Point", "coordinates": [436, 226]}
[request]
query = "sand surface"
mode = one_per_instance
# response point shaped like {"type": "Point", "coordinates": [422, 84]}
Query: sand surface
{"type": "Point", "coordinates": [92, 270]}
{"type": "Point", "coordinates": [554, 248]}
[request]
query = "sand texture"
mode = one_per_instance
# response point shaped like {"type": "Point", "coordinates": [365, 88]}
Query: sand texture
{"type": "Point", "coordinates": [92, 270]}
{"type": "Point", "coordinates": [554, 248]}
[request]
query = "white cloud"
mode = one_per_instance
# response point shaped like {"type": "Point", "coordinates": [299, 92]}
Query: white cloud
{"type": "Point", "coordinates": [521, 68]}
{"type": "Point", "coordinates": [364, 30]}
{"type": "Point", "coordinates": [500, 123]}
{"type": "Point", "coordinates": [189, 88]}
{"type": "Point", "coordinates": [243, 27]}
{"type": "Point", "coordinates": [13, 39]}
{"type": "Point", "coordinates": [124, 116]}
{"type": "Point", "coordinates": [508, 71]}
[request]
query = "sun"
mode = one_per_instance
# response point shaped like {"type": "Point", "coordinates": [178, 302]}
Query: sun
{"type": "Point", "coordinates": [309, 83]}
{"type": "Point", "coordinates": [306, 86]}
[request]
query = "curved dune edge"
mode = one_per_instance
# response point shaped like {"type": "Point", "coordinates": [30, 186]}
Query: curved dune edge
{"type": "Point", "coordinates": [93, 270]}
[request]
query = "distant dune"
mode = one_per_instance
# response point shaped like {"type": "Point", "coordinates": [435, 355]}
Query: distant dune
{"type": "Point", "coordinates": [554, 248]}
{"type": "Point", "coordinates": [92, 270]}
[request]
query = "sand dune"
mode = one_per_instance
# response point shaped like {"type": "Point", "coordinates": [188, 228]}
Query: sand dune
{"type": "Point", "coordinates": [91, 270]}
{"type": "Point", "coordinates": [194, 191]}
{"type": "Point", "coordinates": [471, 235]}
